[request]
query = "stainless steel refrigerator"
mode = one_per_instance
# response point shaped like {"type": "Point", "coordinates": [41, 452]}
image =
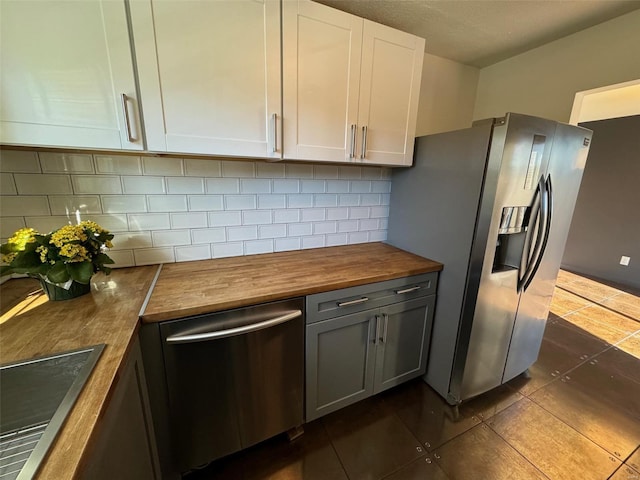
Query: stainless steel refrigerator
{"type": "Point", "coordinates": [493, 203]}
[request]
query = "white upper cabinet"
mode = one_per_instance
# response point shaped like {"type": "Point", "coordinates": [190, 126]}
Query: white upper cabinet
{"type": "Point", "coordinates": [66, 76]}
{"type": "Point", "coordinates": [209, 75]}
{"type": "Point", "coordinates": [350, 87]}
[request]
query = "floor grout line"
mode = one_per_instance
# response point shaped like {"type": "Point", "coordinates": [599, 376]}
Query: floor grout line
{"type": "Point", "coordinates": [594, 303]}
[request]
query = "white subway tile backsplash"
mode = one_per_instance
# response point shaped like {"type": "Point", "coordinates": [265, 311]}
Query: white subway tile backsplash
{"type": "Point", "coordinates": [255, 185]}
{"type": "Point", "coordinates": [312, 186]}
{"type": "Point", "coordinates": [324, 227]}
{"type": "Point", "coordinates": [360, 186]}
{"type": "Point", "coordinates": [286, 186]}
{"type": "Point", "coordinates": [19, 161]}
{"type": "Point", "coordinates": [371, 173]}
{"type": "Point", "coordinates": [379, 212]}
{"type": "Point", "coordinates": [225, 219]}
{"type": "Point", "coordinates": [240, 202]}
{"type": "Point", "coordinates": [222, 185]}
{"type": "Point", "coordinates": [123, 203]}
{"type": "Point", "coordinates": [208, 235]}
{"type": "Point", "coordinates": [378, 236]}
{"type": "Point", "coordinates": [272, 201]}
{"type": "Point", "coordinates": [189, 220]}
{"type": "Point", "coordinates": [162, 166]}
{"type": "Point", "coordinates": [350, 172]}
{"type": "Point", "coordinates": [7, 185]}
{"type": "Point", "coordinates": [118, 164]}
{"type": "Point", "coordinates": [337, 213]}
{"type": "Point", "coordinates": [325, 200]}
{"type": "Point", "coordinates": [152, 256]}
{"type": "Point", "coordinates": [299, 200]}
{"type": "Point", "coordinates": [348, 226]}
{"type": "Point", "coordinates": [381, 187]}
{"type": "Point", "coordinates": [313, 214]}
{"type": "Point", "coordinates": [270, 170]}
{"type": "Point", "coordinates": [111, 222]}
{"type": "Point", "coordinates": [287, 244]}
{"type": "Point", "coordinates": [325, 171]}
{"type": "Point", "coordinates": [167, 203]}
{"type": "Point", "coordinates": [358, 237]}
{"type": "Point", "coordinates": [19, 206]}
{"type": "Point", "coordinates": [184, 185]}
{"type": "Point", "coordinates": [367, 199]}
{"type": "Point", "coordinates": [336, 239]}
{"type": "Point", "coordinates": [231, 249]}
{"type": "Point", "coordinates": [349, 200]}
{"type": "Point", "coordinates": [131, 240]}
{"type": "Point", "coordinates": [272, 231]}
{"type": "Point", "coordinates": [122, 258]}
{"type": "Point", "coordinates": [194, 252]}
{"type": "Point", "coordinates": [256, 217]}
{"type": "Point", "coordinates": [286, 215]}
{"type": "Point", "coordinates": [238, 169]}
{"type": "Point", "coordinates": [66, 162]}
{"type": "Point", "coordinates": [299, 229]}
{"type": "Point", "coordinates": [384, 223]}
{"type": "Point", "coordinates": [359, 212]}
{"type": "Point", "coordinates": [205, 203]}
{"type": "Point", "coordinates": [368, 224]}
{"type": "Point", "coordinates": [47, 224]}
{"type": "Point", "coordinates": [102, 184]}
{"type": "Point", "coordinates": [149, 221]}
{"type": "Point", "coordinates": [255, 247]}
{"type": "Point", "coordinates": [385, 198]}
{"type": "Point", "coordinates": [43, 184]}
{"type": "Point", "coordinates": [69, 204]}
{"type": "Point", "coordinates": [337, 186]}
{"type": "Point", "coordinates": [293, 170]}
{"type": "Point", "coordinates": [202, 168]}
{"type": "Point", "coordinates": [385, 173]}
{"type": "Point", "coordinates": [315, 241]}
{"type": "Point", "coordinates": [236, 234]}
{"type": "Point", "coordinates": [146, 185]}
{"type": "Point", "coordinates": [10, 225]}
{"type": "Point", "coordinates": [168, 238]}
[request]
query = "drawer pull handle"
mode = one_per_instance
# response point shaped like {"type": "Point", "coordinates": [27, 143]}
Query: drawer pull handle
{"type": "Point", "coordinates": [385, 317]}
{"type": "Point", "coordinates": [408, 290]}
{"type": "Point", "coordinates": [353, 302]}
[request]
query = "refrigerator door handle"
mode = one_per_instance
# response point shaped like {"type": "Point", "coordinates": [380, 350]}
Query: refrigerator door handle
{"type": "Point", "coordinates": [537, 245]}
{"type": "Point", "coordinates": [548, 211]}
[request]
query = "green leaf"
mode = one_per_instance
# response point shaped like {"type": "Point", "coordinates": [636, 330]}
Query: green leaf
{"type": "Point", "coordinates": [106, 270]}
{"type": "Point", "coordinates": [6, 248]}
{"type": "Point", "coordinates": [103, 259]}
{"type": "Point", "coordinates": [25, 259]}
{"type": "Point", "coordinates": [81, 272]}
{"type": "Point", "coordinates": [5, 270]}
{"type": "Point", "coordinates": [58, 273]}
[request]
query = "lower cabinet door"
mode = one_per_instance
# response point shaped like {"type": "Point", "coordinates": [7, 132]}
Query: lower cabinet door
{"type": "Point", "coordinates": [403, 343]}
{"type": "Point", "coordinates": [340, 362]}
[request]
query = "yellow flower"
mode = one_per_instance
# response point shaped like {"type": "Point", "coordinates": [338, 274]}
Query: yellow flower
{"type": "Point", "coordinates": [93, 226]}
{"type": "Point", "coordinates": [67, 234]}
{"type": "Point", "coordinates": [42, 250]}
{"type": "Point", "coordinates": [8, 258]}
{"type": "Point", "coordinates": [22, 237]}
{"type": "Point", "coordinates": [74, 253]}
{"type": "Point", "coordinates": [108, 244]}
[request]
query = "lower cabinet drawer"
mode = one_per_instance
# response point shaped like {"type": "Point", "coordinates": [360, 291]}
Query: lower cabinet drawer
{"type": "Point", "coordinates": [351, 357]}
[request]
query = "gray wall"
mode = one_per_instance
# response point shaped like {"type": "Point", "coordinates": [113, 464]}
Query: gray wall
{"type": "Point", "coordinates": [606, 221]}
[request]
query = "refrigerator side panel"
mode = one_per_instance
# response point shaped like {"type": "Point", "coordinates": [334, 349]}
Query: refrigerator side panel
{"type": "Point", "coordinates": [566, 165]}
{"type": "Point", "coordinates": [503, 235]}
{"type": "Point", "coordinates": [433, 212]}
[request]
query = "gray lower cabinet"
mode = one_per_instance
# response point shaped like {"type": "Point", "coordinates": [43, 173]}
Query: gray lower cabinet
{"type": "Point", "coordinates": [125, 447]}
{"type": "Point", "coordinates": [351, 357]}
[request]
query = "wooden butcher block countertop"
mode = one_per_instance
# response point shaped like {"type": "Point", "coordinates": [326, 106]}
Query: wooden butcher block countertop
{"type": "Point", "coordinates": [32, 326]}
{"type": "Point", "coordinates": [205, 286]}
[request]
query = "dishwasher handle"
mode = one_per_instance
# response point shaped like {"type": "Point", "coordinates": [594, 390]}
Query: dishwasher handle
{"type": "Point", "coordinates": [232, 332]}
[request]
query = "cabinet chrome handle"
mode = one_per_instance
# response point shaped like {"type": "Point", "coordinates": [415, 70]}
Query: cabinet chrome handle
{"type": "Point", "coordinates": [127, 121]}
{"type": "Point", "coordinates": [232, 332]}
{"type": "Point", "coordinates": [353, 302]}
{"type": "Point", "coordinates": [377, 332]}
{"type": "Point", "coordinates": [408, 290]}
{"type": "Point", "coordinates": [352, 152]}
{"type": "Point", "coordinates": [385, 316]}
{"type": "Point", "coordinates": [274, 124]}
{"type": "Point", "coordinates": [363, 153]}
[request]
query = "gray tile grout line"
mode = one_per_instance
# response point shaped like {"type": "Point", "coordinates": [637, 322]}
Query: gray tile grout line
{"type": "Point", "coordinates": [599, 304]}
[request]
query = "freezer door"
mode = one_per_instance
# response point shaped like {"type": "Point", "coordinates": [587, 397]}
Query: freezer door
{"type": "Point", "coordinates": [564, 173]}
{"type": "Point", "coordinates": [506, 232]}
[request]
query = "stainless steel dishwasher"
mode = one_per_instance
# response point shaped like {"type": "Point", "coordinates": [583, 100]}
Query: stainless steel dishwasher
{"type": "Point", "coordinates": [234, 378]}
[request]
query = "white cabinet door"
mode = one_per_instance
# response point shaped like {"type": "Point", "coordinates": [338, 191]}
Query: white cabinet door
{"type": "Point", "coordinates": [210, 75]}
{"type": "Point", "coordinates": [65, 67]}
{"type": "Point", "coordinates": [389, 94]}
{"type": "Point", "coordinates": [321, 72]}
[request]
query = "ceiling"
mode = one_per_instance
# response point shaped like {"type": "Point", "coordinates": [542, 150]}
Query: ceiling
{"type": "Point", "coordinates": [484, 32]}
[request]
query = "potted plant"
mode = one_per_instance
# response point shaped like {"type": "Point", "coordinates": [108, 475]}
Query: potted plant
{"type": "Point", "coordinates": [64, 260]}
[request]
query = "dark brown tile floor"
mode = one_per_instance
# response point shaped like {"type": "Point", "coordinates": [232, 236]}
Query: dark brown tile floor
{"type": "Point", "coordinates": [574, 415]}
